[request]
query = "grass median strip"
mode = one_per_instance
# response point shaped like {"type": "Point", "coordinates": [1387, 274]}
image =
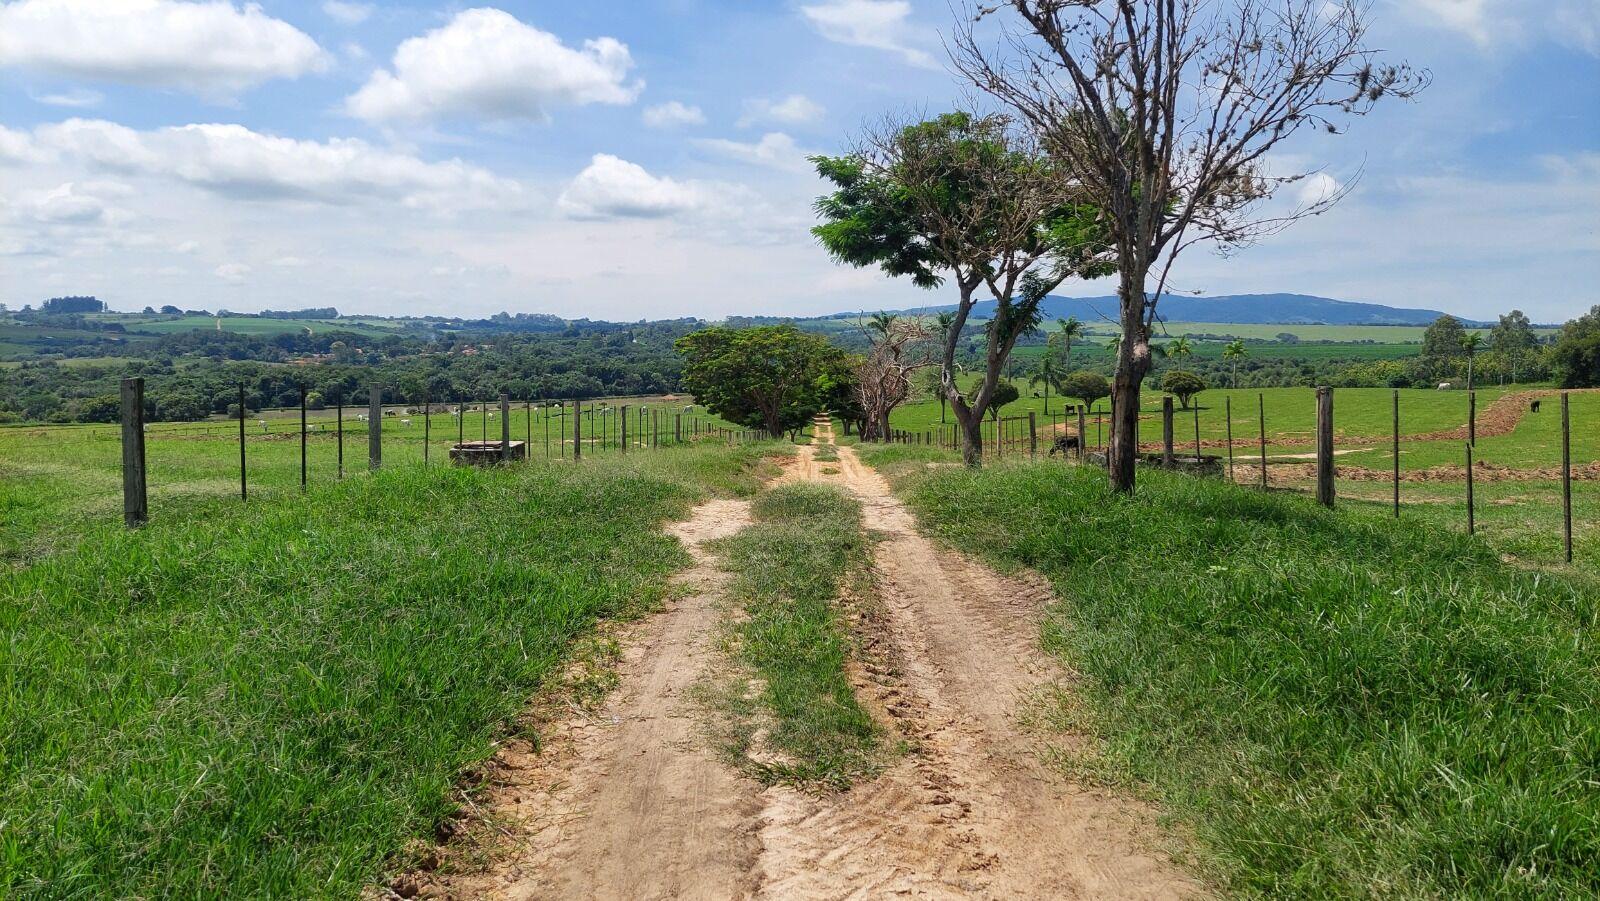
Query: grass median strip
{"type": "Point", "coordinates": [1337, 706]}
{"type": "Point", "coordinates": [270, 700]}
{"type": "Point", "coordinates": [796, 717]}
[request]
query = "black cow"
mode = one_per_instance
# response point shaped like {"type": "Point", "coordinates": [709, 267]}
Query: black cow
{"type": "Point", "coordinates": [1064, 444]}
{"type": "Point", "coordinates": [1534, 406]}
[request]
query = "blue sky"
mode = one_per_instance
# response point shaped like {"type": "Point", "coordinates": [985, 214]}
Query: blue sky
{"type": "Point", "coordinates": [645, 159]}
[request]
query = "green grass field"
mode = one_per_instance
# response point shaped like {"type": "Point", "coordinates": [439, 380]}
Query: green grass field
{"type": "Point", "coordinates": [1359, 413]}
{"type": "Point", "coordinates": [268, 700]}
{"type": "Point", "coordinates": [1331, 704]}
{"type": "Point", "coordinates": [56, 479]}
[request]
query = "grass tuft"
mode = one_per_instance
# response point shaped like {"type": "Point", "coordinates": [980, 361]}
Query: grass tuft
{"type": "Point", "coordinates": [804, 551]}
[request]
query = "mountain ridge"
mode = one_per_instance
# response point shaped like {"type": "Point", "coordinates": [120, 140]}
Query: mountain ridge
{"type": "Point", "coordinates": [1255, 309]}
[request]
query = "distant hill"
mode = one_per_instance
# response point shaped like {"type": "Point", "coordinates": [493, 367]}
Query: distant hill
{"type": "Point", "coordinates": [1286, 309]}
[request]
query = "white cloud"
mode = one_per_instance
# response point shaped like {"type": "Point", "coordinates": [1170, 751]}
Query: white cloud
{"type": "Point", "coordinates": [795, 109]}
{"type": "Point", "coordinates": [673, 114]}
{"type": "Point", "coordinates": [1318, 187]}
{"type": "Point", "coordinates": [611, 187]}
{"type": "Point", "coordinates": [291, 262]}
{"type": "Point", "coordinates": [775, 150]}
{"type": "Point", "coordinates": [1495, 23]}
{"type": "Point", "coordinates": [69, 204]}
{"type": "Point", "coordinates": [214, 49]}
{"type": "Point", "coordinates": [879, 24]}
{"type": "Point", "coordinates": [486, 63]}
{"type": "Point", "coordinates": [347, 13]}
{"type": "Point", "coordinates": [17, 146]}
{"type": "Point", "coordinates": [236, 162]}
{"type": "Point", "coordinates": [232, 273]}
{"type": "Point", "coordinates": [76, 98]}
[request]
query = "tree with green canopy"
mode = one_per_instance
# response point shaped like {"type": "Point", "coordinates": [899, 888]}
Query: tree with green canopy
{"type": "Point", "coordinates": [968, 198]}
{"type": "Point", "coordinates": [1576, 354]}
{"type": "Point", "coordinates": [1442, 338]}
{"type": "Point", "coordinates": [773, 377]}
{"type": "Point", "coordinates": [1183, 385]}
{"type": "Point", "coordinates": [1086, 386]}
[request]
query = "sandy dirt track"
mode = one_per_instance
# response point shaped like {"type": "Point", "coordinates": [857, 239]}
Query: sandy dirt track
{"type": "Point", "coordinates": [633, 804]}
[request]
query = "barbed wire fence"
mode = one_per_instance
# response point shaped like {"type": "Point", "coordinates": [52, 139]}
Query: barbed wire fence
{"type": "Point", "coordinates": [508, 431]}
{"type": "Point", "coordinates": [1240, 461]}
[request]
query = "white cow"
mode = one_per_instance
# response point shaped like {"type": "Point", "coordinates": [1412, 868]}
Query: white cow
{"type": "Point", "coordinates": [1445, 386]}
{"type": "Point", "coordinates": [405, 422]}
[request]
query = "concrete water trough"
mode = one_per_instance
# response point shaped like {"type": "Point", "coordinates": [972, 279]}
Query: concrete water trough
{"type": "Point", "coordinates": [485, 453]}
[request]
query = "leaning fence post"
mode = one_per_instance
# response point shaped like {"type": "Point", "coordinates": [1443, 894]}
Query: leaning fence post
{"type": "Point", "coordinates": [244, 493]}
{"type": "Point", "coordinates": [135, 503]}
{"type": "Point", "coordinates": [505, 427]}
{"type": "Point", "coordinates": [1325, 446]}
{"type": "Point", "coordinates": [1566, 474]}
{"type": "Point", "coordinates": [374, 428]}
{"type": "Point", "coordinates": [1166, 431]}
{"type": "Point", "coordinates": [1472, 417]}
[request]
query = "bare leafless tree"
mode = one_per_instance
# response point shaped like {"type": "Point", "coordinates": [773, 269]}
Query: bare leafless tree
{"type": "Point", "coordinates": [1165, 112]}
{"type": "Point", "coordinates": [899, 346]}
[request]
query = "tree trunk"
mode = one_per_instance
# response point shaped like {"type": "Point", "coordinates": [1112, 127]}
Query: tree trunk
{"type": "Point", "coordinates": [1133, 362]}
{"type": "Point", "coordinates": [971, 426]}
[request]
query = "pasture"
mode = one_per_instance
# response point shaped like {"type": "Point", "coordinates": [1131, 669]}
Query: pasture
{"type": "Point", "coordinates": [56, 479]}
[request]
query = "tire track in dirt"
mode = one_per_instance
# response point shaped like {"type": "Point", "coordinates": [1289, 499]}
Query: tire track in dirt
{"type": "Point", "coordinates": [629, 802]}
{"type": "Point", "coordinates": [971, 811]}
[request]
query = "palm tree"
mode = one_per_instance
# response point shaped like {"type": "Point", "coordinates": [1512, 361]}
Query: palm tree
{"type": "Point", "coordinates": [1234, 352]}
{"type": "Point", "coordinates": [942, 323]}
{"type": "Point", "coordinates": [1070, 328]}
{"type": "Point", "coordinates": [1179, 348]}
{"type": "Point", "coordinates": [1047, 373]}
{"type": "Point", "coordinates": [1470, 342]}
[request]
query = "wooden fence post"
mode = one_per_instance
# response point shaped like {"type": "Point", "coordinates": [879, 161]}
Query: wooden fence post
{"type": "Point", "coordinates": [1472, 417]}
{"type": "Point", "coordinates": [1397, 453]}
{"type": "Point", "coordinates": [1472, 525]}
{"type": "Point", "coordinates": [1033, 436]}
{"type": "Point", "coordinates": [1325, 446]}
{"type": "Point", "coordinates": [1166, 431]}
{"type": "Point", "coordinates": [505, 427]}
{"type": "Point", "coordinates": [1261, 409]}
{"type": "Point", "coordinates": [1566, 474]}
{"type": "Point", "coordinates": [302, 437]}
{"type": "Point", "coordinates": [244, 493]}
{"type": "Point", "coordinates": [677, 428]}
{"type": "Point", "coordinates": [1227, 412]}
{"type": "Point", "coordinates": [577, 431]}
{"type": "Point", "coordinates": [427, 428]}
{"type": "Point", "coordinates": [374, 428]}
{"type": "Point", "coordinates": [339, 426]}
{"type": "Point", "coordinates": [1083, 430]}
{"type": "Point", "coordinates": [1197, 432]}
{"type": "Point", "coordinates": [135, 502]}
{"type": "Point", "coordinates": [623, 424]}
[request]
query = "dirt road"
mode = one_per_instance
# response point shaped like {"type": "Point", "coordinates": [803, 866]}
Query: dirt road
{"type": "Point", "coordinates": [634, 806]}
